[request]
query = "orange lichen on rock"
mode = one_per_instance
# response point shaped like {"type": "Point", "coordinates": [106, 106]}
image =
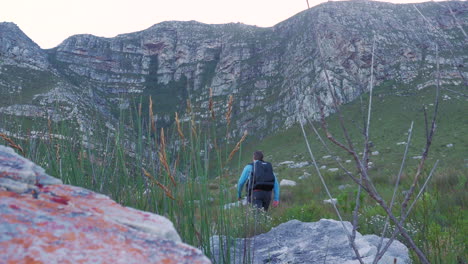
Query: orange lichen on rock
{"type": "Point", "coordinates": [67, 224]}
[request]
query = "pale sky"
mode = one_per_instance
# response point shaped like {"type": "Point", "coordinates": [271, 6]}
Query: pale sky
{"type": "Point", "coordinates": [49, 22]}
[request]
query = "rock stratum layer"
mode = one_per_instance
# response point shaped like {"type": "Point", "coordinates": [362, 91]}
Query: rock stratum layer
{"type": "Point", "coordinates": [273, 73]}
{"type": "Point", "coordinates": [43, 221]}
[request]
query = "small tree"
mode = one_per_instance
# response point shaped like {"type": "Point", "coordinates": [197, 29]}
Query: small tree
{"type": "Point", "coordinates": [362, 178]}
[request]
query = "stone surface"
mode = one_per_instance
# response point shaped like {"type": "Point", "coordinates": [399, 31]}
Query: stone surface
{"type": "Point", "coordinates": [43, 221]}
{"type": "Point", "coordinates": [299, 165]}
{"type": "Point", "coordinates": [16, 168]}
{"type": "Point", "coordinates": [344, 186]}
{"type": "Point", "coordinates": [236, 204]}
{"type": "Point", "coordinates": [305, 176]}
{"type": "Point", "coordinates": [318, 242]}
{"type": "Point", "coordinates": [331, 201]}
{"type": "Point", "coordinates": [18, 49]}
{"type": "Point", "coordinates": [285, 182]}
{"type": "Point", "coordinates": [294, 165]}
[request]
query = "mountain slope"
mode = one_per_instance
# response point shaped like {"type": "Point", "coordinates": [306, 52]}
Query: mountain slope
{"type": "Point", "coordinates": [274, 73]}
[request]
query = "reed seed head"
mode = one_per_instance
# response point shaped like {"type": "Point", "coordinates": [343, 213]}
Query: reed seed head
{"type": "Point", "coordinates": [238, 145]}
{"type": "Point", "coordinates": [12, 144]}
{"type": "Point", "coordinates": [160, 185]}
{"type": "Point", "coordinates": [179, 128]}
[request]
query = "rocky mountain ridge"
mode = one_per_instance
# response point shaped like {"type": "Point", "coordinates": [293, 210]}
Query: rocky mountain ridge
{"type": "Point", "coordinates": [275, 74]}
{"type": "Point", "coordinates": [18, 49]}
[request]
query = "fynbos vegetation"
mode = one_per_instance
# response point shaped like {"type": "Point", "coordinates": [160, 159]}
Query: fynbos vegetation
{"type": "Point", "coordinates": [374, 122]}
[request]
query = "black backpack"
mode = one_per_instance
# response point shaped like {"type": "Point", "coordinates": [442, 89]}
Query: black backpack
{"type": "Point", "coordinates": [262, 175]}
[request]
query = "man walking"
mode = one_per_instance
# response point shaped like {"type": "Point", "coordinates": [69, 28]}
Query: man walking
{"type": "Point", "coordinates": [260, 182]}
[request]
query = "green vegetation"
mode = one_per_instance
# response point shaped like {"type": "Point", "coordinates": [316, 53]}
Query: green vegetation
{"type": "Point", "coordinates": [438, 221]}
{"type": "Point", "coordinates": [186, 183]}
{"type": "Point", "coordinates": [187, 173]}
{"type": "Point", "coordinates": [23, 84]}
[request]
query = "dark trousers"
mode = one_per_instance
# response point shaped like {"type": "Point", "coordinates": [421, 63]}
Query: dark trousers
{"type": "Point", "coordinates": [260, 199]}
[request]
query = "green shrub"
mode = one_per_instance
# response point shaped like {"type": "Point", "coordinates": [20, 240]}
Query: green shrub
{"type": "Point", "coordinates": [309, 212]}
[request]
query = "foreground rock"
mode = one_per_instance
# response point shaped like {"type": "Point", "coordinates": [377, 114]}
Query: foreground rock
{"type": "Point", "coordinates": [42, 223]}
{"type": "Point", "coordinates": [318, 242]}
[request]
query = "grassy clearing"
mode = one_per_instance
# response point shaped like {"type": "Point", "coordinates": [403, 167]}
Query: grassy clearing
{"type": "Point", "coordinates": [438, 222]}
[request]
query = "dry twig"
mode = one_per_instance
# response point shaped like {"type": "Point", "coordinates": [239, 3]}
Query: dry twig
{"type": "Point", "coordinates": [179, 128]}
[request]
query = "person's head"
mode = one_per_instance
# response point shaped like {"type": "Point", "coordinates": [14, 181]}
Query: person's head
{"type": "Point", "coordinates": [258, 155]}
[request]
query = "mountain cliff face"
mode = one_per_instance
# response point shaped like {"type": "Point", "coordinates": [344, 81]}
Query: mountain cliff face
{"type": "Point", "coordinates": [275, 74]}
{"type": "Point", "coordinates": [18, 49]}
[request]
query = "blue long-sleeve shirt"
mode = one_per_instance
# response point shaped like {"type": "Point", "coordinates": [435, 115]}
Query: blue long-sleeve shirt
{"type": "Point", "coordinates": [246, 175]}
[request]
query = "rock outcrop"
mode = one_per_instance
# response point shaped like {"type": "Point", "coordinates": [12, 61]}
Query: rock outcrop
{"type": "Point", "coordinates": [296, 242]}
{"type": "Point", "coordinates": [18, 49]}
{"type": "Point", "coordinates": [44, 221]}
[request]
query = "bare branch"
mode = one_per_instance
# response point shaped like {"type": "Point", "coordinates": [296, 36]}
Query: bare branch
{"type": "Point", "coordinates": [356, 209]}
{"type": "Point", "coordinates": [362, 167]}
{"type": "Point", "coordinates": [366, 147]}
{"type": "Point", "coordinates": [425, 122]}
{"type": "Point", "coordinates": [423, 187]}
{"type": "Point", "coordinates": [332, 91]}
{"type": "Point", "coordinates": [404, 212]}
{"type": "Point", "coordinates": [330, 136]}
{"type": "Point", "coordinates": [371, 88]}
{"type": "Point", "coordinates": [428, 140]}
{"type": "Point", "coordinates": [351, 240]}
{"type": "Point", "coordinates": [402, 230]}
{"type": "Point", "coordinates": [397, 183]}
{"type": "Point", "coordinates": [350, 149]}
{"type": "Point", "coordinates": [404, 217]}
{"type": "Point", "coordinates": [333, 155]}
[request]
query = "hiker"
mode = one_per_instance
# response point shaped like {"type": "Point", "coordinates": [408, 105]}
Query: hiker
{"type": "Point", "coordinates": [264, 181]}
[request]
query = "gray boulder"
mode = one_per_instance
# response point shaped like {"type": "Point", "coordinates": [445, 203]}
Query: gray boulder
{"type": "Point", "coordinates": [19, 174]}
{"type": "Point", "coordinates": [44, 221]}
{"type": "Point", "coordinates": [297, 242]}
